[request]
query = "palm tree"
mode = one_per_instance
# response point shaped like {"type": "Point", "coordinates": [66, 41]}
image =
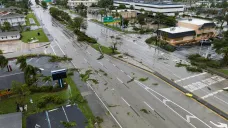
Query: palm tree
{"type": "Point", "coordinates": [22, 61]}
{"type": "Point", "coordinates": [3, 61]}
{"type": "Point", "coordinates": [47, 79]}
{"type": "Point", "coordinates": [221, 47]}
{"type": "Point", "coordinates": [30, 74]}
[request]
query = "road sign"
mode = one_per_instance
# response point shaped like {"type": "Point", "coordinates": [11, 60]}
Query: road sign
{"type": "Point", "coordinates": [58, 74]}
{"type": "Point", "coordinates": [110, 20]}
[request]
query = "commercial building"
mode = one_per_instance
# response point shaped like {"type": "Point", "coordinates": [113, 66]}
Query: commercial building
{"type": "Point", "coordinates": [188, 31]}
{"type": "Point", "coordinates": [75, 3]}
{"type": "Point", "coordinates": [13, 18]}
{"type": "Point", "coordinates": [165, 8]}
{"type": "Point", "coordinates": [126, 13]}
{"type": "Point", "coordinates": [14, 35]}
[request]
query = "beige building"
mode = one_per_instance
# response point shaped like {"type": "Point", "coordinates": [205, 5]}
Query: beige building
{"type": "Point", "coordinates": [126, 13]}
{"type": "Point", "coordinates": [188, 31]}
{"type": "Point", "coordinates": [75, 3]}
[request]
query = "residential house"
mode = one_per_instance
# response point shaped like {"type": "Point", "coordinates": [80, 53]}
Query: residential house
{"type": "Point", "coordinates": [13, 35]}
{"type": "Point", "coordinates": [13, 18]}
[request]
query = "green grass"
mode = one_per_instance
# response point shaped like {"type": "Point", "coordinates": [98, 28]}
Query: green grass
{"type": "Point", "coordinates": [104, 49]}
{"type": "Point", "coordinates": [31, 15]}
{"type": "Point", "coordinates": [27, 35]}
{"type": "Point", "coordinates": [225, 71]}
{"type": "Point", "coordinates": [143, 79]}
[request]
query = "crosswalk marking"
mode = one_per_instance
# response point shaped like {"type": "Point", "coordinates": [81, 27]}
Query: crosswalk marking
{"type": "Point", "coordinates": [204, 83]}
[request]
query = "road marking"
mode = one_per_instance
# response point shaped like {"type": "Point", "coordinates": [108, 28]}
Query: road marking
{"type": "Point", "coordinates": [211, 94]}
{"type": "Point", "coordinates": [188, 117]}
{"type": "Point", "coordinates": [119, 80]}
{"type": "Point", "coordinates": [11, 74]}
{"type": "Point", "coordinates": [114, 65]}
{"type": "Point", "coordinates": [30, 60]}
{"type": "Point", "coordinates": [218, 78]}
{"type": "Point", "coordinates": [68, 105]}
{"type": "Point", "coordinates": [65, 114]}
{"type": "Point", "coordinates": [53, 49]}
{"type": "Point", "coordinates": [129, 76]}
{"type": "Point", "coordinates": [148, 105]}
{"type": "Point", "coordinates": [121, 70]}
{"type": "Point", "coordinates": [221, 100]}
{"type": "Point", "coordinates": [53, 110]}
{"type": "Point", "coordinates": [164, 100]}
{"type": "Point", "coordinates": [37, 126]}
{"type": "Point", "coordinates": [100, 64]}
{"type": "Point", "coordinates": [107, 59]}
{"type": "Point", "coordinates": [41, 69]}
{"type": "Point", "coordinates": [190, 77]}
{"type": "Point", "coordinates": [49, 123]}
{"type": "Point", "coordinates": [59, 47]}
{"type": "Point", "coordinates": [45, 52]}
{"type": "Point", "coordinates": [219, 125]}
{"type": "Point", "coordinates": [85, 59]}
{"type": "Point", "coordinates": [73, 64]}
{"type": "Point", "coordinates": [125, 101]}
{"type": "Point", "coordinates": [105, 106]}
{"type": "Point", "coordinates": [37, 60]}
{"type": "Point", "coordinates": [88, 52]}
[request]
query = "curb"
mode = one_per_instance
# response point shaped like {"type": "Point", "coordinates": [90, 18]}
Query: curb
{"type": "Point", "coordinates": [198, 99]}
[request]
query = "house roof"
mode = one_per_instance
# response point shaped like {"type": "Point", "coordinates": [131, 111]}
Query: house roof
{"type": "Point", "coordinates": [11, 15]}
{"type": "Point", "coordinates": [195, 21]}
{"type": "Point", "coordinates": [12, 120]}
{"type": "Point", "coordinates": [176, 30]}
{"type": "Point", "coordinates": [9, 33]}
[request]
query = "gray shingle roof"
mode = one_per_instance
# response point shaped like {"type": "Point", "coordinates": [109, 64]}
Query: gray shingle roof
{"type": "Point", "coordinates": [12, 15]}
{"type": "Point", "coordinates": [9, 33]}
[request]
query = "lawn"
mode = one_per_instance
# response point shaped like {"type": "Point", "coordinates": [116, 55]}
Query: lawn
{"type": "Point", "coordinates": [225, 71]}
{"type": "Point", "coordinates": [31, 15]}
{"type": "Point", "coordinates": [27, 35]}
{"type": "Point", "coordinates": [104, 49]}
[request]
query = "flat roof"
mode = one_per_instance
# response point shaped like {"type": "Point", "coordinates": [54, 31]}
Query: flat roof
{"type": "Point", "coordinates": [12, 33]}
{"type": "Point", "coordinates": [176, 29]}
{"type": "Point", "coordinates": [151, 3]}
{"type": "Point", "coordinates": [196, 21]}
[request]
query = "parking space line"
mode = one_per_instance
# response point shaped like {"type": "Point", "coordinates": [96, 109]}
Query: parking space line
{"type": "Point", "coordinates": [65, 114]}
{"type": "Point", "coordinates": [53, 110]}
{"type": "Point", "coordinates": [68, 105]}
{"type": "Point", "coordinates": [49, 123]}
{"type": "Point", "coordinates": [53, 49]}
{"type": "Point", "coordinates": [211, 94]}
{"type": "Point", "coordinates": [190, 77]}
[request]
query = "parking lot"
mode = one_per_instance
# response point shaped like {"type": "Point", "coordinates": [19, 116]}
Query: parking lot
{"type": "Point", "coordinates": [52, 118]}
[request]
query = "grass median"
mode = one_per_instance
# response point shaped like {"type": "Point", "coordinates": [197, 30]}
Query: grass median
{"type": "Point", "coordinates": [105, 50]}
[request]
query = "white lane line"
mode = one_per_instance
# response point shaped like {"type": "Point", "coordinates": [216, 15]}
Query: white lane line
{"type": "Point", "coordinates": [100, 64]}
{"type": "Point", "coordinates": [114, 65]}
{"type": "Point", "coordinates": [12, 74]}
{"type": "Point", "coordinates": [125, 101]}
{"type": "Point", "coordinates": [37, 60]}
{"type": "Point", "coordinates": [53, 110]}
{"type": "Point", "coordinates": [73, 64]}
{"type": "Point", "coordinates": [53, 49]}
{"type": "Point", "coordinates": [167, 100]}
{"type": "Point", "coordinates": [30, 60]}
{"type": "Point", "coordinates": [121, 70]}
{"type": "Point", "coordinates": [148, 105]}
{"type": "Point", "coordinates": [85, 59]}
{"type": "Point", "coordinates": [107, 59]}
{"type": "Point", "coordinates": [211, 94]}
{"type": "Point", "coordinates": [119, 80]}
{"type": "Point", "coordinates": [65, 114]}
{"type": "Point", "coordinates": [45, 52]}
{"type": "Point", "coordinates": [129, 76]}
{"type": "Point", "coordinates": [47, 116]}
{"type": "Point", "coordinates": [88, 52]}
{"type": "Point", "coordinates": [190, 77]}
{"type": "Point", "coordinates": [105, 106]}
{"type": "Point", "coordinates": [59, 47]}
{"type": "Point", "coordinates": [221, 100]}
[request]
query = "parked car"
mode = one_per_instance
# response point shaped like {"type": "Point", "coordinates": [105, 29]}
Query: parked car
{"type": "Point", "coordinates": [205, 42]}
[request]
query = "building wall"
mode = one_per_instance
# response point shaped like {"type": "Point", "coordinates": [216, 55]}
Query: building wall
{"type": "Point", "coordinates": [153, 8]}
{"type": "Point", "coordinates": [178, 41]}
{"type": "Point", "coordinates": [131, 14]}
{"type": "Point", "coordinates": [74, 3]}
{"type": "Point", "coordinates": [10, 37]}
{"type": "Point", "coordinates": [14, 21]}
{"type": "Point", "coordinates": [200, 34]}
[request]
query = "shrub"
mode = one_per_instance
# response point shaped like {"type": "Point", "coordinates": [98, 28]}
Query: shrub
{"type": "Point", "coordinates": [83, 37]}
{"type": "Point", "coordinates": [214, 64]}
{"type": "Point", "coordinates": [194, 69]}
{"type": "Point", "coordinates": [58, 100]}
{"type": "Point", "coordinates": [49, 99]}
{"type": "Point", "coordinates": [41, 89]}
{"type": "Point", "coordinates": [41, 104]}
{"type": "Point", "coordinates": [150, 40]}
